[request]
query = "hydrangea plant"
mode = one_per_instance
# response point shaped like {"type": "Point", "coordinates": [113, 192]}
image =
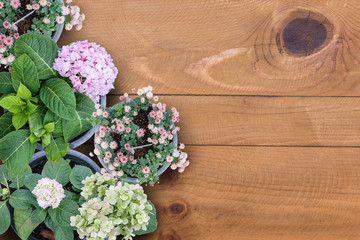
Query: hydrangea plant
{"type": "Point", "coordinates": [51, 197]}
{"type": "Point", "coordinates": [113, 208]}
{"type": "Point", "coordinates": [135, 137]}
{"type": "Point", "coordinates": [41, 105]}
{"type": "Point", "coordinates": [89, 67]}
{"type": "Point", "coordinates": [45, 16]}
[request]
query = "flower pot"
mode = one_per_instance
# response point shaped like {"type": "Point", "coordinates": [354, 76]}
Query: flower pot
{"type": "Point", "coordinates": [82, 138]}
{"type": "Point", "coordinates": [161, 170]}
{"type": "Point", "coordinates": [74, 156]}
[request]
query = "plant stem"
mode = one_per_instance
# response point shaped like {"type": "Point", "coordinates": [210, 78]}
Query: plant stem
{"type": "Point", "coordinates": [147, 145]}
{"type": "Point", "coordinates": [24, 17]}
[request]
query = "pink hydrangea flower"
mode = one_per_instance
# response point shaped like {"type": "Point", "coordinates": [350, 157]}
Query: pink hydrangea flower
{"type": "Point", "coordinates": [89, 67]}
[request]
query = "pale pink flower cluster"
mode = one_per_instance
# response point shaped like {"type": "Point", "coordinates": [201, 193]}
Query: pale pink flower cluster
{"type": "Point", "coordinates": [6, 42]}
{"type": "Point", "coordinates": [89, 67]}
{"type": "Point", "coordinates": [48, 193]}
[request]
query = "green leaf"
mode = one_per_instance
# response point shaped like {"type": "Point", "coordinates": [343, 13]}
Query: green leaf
{"type": "Point", "coordinates": [12, 103]}
{"type": "Point", "coordinates": [22, 199]}
{"type": "Point", "coordinates": [36, 118]}
{"type": "Point", "coordinates": [46, 139]}
{"type": "Point", "coordinates": [32, 180]}
{"type": "Point", "coordinates": [51, 117]}
{"type": "Point", "coordinates": [23, 92]}
{"type": "Point", "coordinates": [151, 227]}
{"type": "Point", "coordinates": [71, 196]}
{"type": "Point", "coordinates": [19, 180]}
{"type": "Point", "coordinates": [6, 124]}
{"type": "Point", "coordinates": [63, 233]}
{"type": "Point", "coordinates": [84, 109]}
{"type": "Point", "coordinates": [33, 138]}
{"type": "Point", "coordinates": [16, 155]}
{"type": "Point", "coordinates": [23, 224]}
{"type": "Point", "coordinates": [57, 149]}
{"type": "Point", "coordinates": [24, 71]}
{"type": "Point", "coordinates": [61, 215]}
{"type": "Point", "coordinates": [60, 171]}
{"type": "Point", "coordinates": [4, 175]}
{"type": "Point", "coordinates": [49, 127]}
{"type": "Point", "coordinates": [49, 223]}
{"type": "Point", "coordinates": [19, 120]}
{"type": "Point", "coordinates": [38, 216]}
{"type": "Point", "coordinates": [31, 107]}
{"type": "Point", "coordinates": [4, 217]}
{"type": "Point", "coordinates": [39, 133]}
{"type": "Point", "coordinates": [79, 173]}
{"type": "Point", "coordinates": [42, 50]}
{"type": "Point", "coordinates": [59, 97]}
{"type": "Point", "coordinates": [5, 83]}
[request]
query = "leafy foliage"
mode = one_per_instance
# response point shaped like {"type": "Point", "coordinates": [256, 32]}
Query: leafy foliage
{"type": "Point", "coordinates": [42, 107]}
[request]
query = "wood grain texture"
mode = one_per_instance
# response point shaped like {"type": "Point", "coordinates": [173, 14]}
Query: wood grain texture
{"type": "Point", "coordinates": [294, 121]}
{"type": "Point", "coordinates": [227, 47]}
{"type": "Point", "coordinates": [271, 157]}
{"type": "Point", "coordinates": [259, 193]}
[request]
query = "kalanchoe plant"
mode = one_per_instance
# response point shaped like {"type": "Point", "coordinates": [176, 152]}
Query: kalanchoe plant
{"type": "Point", "coordinates": [51, 197]}
{"type": "Point", "coordinates": [135, 137]}
{"type": "Point", "coordinates": [42, 106]}
{"type": "Point", "coordinates": [41, 16]}
{"type": "Point", "coordinates": [113, 208]}
{"type": "Point", "coordinates": [89, 67]}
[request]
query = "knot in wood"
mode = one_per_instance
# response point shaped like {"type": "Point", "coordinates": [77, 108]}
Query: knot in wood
{"type": "Point", "coordinates": [177, 208]}
{"type": "Point", "coordinates": [304, 33]}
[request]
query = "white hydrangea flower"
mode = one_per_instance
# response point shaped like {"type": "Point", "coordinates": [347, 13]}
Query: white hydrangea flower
{"type": "Point", "coordinates": [48, 193]}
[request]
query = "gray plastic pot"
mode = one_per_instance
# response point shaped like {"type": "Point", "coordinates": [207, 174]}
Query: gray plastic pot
{"type": "Point", "coordinates": [82, 138]}
{"type": "Point", "coordinates": [74, 156]}
{"type": "Point", "coordinates": [161, 170]}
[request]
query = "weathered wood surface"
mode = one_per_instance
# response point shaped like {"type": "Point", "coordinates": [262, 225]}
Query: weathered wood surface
{"type": "Point", "coordinates": [280, 164]}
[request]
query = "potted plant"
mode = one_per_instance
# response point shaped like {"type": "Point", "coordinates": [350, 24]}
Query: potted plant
{"type": "Point", "coordinates": [42, 106]}
{"type": "Point", "coordinates": [137, 139]}
{"type": "Point", "coordinates": [46, 17]}
{"type": "Point", "coordinates": [44, 196]}
{"type": "Point", "coordinates": [112, 208]}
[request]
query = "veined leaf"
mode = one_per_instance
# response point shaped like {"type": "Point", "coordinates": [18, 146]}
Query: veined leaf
{"type": "Point", "coordinates": [79, 173]}
{"type": "Point", "coordinates": [4, 217]}
{"type": "Point", "coordinates": [32, 180]}
{"type": "Point", "coordinates": [84, 109]}
{"type": "Point", "coordinates": [16, 151]}
{"type": "Point", "coordinates": [23, 71]}
{"type": "Point", "coordinates": [52, 117]}
{"type": "Point", "coordinates": [61, 215]}
{"type": "Point", "coordinates": [60, 171]}
{"type": "Point", "coordinates": [12, 103]}
{"type": "Point", "coordinates": [58, 96]}
{"type": "Point", "coordinates": [22, 199]}
{"type": "Point", "coordinates": [5, 83]}
{"type": "Point", "coordinates": [23, 224]}
{"type": "Point", "coordinates": [19, 119]}
{"type": "Point", "coordinates": [56, 149]}
{"type": "Point", "coordinates": [19, 180]}
{"type": "Point", "coordinates": [6, 124]}
{"type": "Point", "coordinates": [36, 118]}
{"type": "Point", "coordinates": [23, 92]}
{"type": "Point", "coordinates": [42, 51]}
{"type": "Point", "coordinates": [4, 175]}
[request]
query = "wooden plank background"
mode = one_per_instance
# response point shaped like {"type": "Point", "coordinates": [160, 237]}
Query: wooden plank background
{"type": "Point", "coordinates": [272, 135]}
